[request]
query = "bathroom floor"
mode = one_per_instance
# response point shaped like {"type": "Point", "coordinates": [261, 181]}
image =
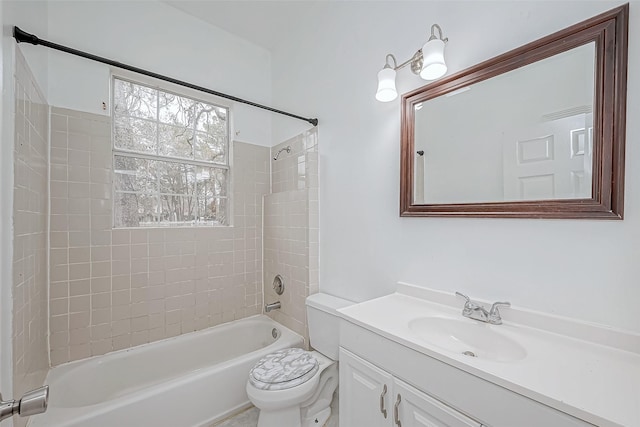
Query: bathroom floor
{"type": "Point", "coordinates": [249, 418]}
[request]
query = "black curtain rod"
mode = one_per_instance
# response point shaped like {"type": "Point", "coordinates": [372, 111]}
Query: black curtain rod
{"type": "Point", "coordinates": [24, 37]}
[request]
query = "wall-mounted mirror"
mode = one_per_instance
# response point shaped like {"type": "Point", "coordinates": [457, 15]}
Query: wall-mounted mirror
{"type": "Point", "coordinates": [537, 132]}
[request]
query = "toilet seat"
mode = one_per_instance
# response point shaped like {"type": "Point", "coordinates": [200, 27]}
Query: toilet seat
{"type": "Point", "coordinates": [283, 369]}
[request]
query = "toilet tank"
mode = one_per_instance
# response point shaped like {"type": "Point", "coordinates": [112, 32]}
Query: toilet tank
{"type": "Point", "coordinates": [324, 323]}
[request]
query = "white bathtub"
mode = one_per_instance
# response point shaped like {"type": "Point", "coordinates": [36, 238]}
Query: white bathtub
{"type": "Point", "coordinates": [186, 381]}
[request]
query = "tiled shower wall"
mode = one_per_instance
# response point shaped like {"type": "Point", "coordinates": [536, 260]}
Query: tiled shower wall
{"type": "Point", "coordinates": [116, 288]}
{"type": "Point", "coordinates": [291, 229]}
{"type": "Point", "coordinates": [30, 350]}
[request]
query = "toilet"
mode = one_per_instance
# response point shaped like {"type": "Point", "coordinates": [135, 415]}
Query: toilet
{"type": "Point", "coordinates": [294, 387]}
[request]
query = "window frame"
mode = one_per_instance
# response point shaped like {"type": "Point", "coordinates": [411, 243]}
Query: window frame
{"type": "Point", "coordinates": [183, 92]}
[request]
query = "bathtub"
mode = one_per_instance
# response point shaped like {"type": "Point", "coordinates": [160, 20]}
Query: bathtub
{"type": "Point", "coordinates": [186, 381]}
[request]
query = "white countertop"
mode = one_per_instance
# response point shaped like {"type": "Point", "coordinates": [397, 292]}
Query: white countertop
{"type": "Point", "coordinates": [582, 377]}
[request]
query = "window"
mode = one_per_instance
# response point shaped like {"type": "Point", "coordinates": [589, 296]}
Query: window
{"type": "Point", "coordinates": [170, 158]}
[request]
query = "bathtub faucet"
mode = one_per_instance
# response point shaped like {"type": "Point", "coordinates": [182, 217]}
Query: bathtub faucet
{"type": "Point", "coordinates": [272, 306]}
{"type": "Point", "coordinates": [33, 402]}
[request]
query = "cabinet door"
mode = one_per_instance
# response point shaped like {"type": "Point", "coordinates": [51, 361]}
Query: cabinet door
{"type": "Point", "coordinates": [417, 409]}
{"type": "Point", "coordinates": [363, 400]}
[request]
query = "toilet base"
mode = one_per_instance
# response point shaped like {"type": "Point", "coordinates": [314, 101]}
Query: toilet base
{"type": "Point", "coordinates": [318, 420]}
{"type": "Point", "coordinates": [281, 417]}
{"type": "Point", "coordinates": [291, 418]}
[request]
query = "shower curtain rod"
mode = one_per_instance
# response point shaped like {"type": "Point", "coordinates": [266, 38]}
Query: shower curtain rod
{"type": "Point", "coordinates": [24, 37]}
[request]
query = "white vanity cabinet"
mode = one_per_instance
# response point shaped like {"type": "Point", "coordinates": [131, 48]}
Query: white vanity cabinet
{"type": "Point", "coordinates": [364, 393]}
{"type": "Point", "coordinates": [372, 397]}
{"type": "Point", "coordinates": [440, 395]}
{"type": "Point", "coordinates": [417, 409]}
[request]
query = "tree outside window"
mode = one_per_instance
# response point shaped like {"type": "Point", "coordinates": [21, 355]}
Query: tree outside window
{"type": "Point", "coordinates": [170, 156]}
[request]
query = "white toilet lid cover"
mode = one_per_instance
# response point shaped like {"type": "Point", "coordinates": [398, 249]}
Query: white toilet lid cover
{"type": "Point", "coordinates": [283, 369]}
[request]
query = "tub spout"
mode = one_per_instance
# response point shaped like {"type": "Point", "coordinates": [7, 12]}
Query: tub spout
{"type": "Point", "coordinates": [272, 306]}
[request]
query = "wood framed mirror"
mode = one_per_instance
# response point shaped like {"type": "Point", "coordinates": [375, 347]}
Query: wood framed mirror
{"type": "Point", "coordinates": [537, 132]}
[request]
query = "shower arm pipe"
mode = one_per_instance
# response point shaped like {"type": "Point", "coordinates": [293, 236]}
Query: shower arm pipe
{"type": "Point", "coordinates": [287, 149]}
{"type": "Point", "coordinates": [24, 37]}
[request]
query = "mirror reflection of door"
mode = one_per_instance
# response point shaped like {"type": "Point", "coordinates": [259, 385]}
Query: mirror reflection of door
{"type": "Point", "coordinates": [518, 136]}
{"type": "Point", "coordinates": [551, 160]}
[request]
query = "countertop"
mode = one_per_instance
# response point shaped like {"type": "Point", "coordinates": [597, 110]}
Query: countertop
{"type": "Point", "coordinates": [585, 370]}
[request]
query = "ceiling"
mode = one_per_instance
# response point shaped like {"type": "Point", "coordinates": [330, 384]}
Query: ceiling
{"type": "Point", "coordinates": [264, 23]}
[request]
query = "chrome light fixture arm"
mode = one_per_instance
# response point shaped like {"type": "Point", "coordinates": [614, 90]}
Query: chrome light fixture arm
{"type": "Point", "coordinates": [435, 27]}
{"type": "Point", "coordinates": [417, 59]}
{"type": "Point", "coordinates": [386, 79]}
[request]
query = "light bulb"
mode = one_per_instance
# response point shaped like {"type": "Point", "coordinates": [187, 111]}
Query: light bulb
{"type": "Point", "coordinates": [386, 85]}
{"type": "Point", "coordinates": [433, 66]}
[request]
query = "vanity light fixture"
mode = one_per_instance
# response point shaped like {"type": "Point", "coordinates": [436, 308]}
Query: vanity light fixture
{"type": "Point", "coordinates": [427, 62]}
{"type": "Point", "coordinates": [387, 81]}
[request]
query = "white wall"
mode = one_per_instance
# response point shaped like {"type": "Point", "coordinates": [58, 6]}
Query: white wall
{"type": "Point", "coordinates": [31, 16]}
{"type": "Point", "coordinates": [157, 37]}
{"type": "Point", "coordinates": [584, 269]}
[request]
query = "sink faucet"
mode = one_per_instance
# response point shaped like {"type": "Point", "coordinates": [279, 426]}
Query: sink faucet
{"type": "Point", "coordinates": [476, 311]}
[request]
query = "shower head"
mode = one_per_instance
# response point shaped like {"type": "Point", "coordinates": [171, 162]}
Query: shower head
{"type": "Point", "coordinates": [287, 149]}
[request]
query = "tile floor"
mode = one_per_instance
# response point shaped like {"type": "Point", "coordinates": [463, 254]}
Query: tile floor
{"type": "Point", "coordinates": [249, 418]}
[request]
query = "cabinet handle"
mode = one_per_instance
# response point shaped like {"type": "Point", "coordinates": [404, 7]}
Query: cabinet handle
{"type": "Point", "coordinates": [396, 412]}
{"type": "Point", "coordinates": [382, 409]}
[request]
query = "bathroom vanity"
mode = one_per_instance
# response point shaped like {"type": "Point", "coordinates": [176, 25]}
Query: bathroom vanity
{"type": "Point", "coordinates": [410, 359]}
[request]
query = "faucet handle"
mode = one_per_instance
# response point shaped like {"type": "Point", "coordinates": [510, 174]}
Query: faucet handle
{"type": "Point", "coordinates": [463, 296]}
{"type": "Point", "coordinates": [469, 305]}
{"type": "Point", "coordinates": [494, 313]}
{"type": "Point", "coordinates": [495, 305]}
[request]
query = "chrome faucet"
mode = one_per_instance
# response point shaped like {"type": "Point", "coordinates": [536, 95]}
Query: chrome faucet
{"type": "Point", "coordinates": [33, 402]}
{"type": "Point", "coordinates": [476, 311]}
{"type": "Point", "coordinates": [272, 306]}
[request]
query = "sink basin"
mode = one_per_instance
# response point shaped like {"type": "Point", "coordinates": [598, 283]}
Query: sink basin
{"type": "Point", "coordinates": [468, 337]}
